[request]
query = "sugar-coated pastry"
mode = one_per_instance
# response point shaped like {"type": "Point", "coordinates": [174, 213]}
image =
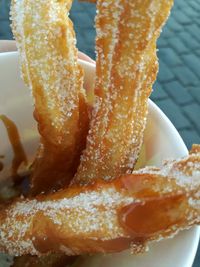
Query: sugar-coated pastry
{"type": "Point", "coordinates": [149, 204]}
{"type": "Point", "coordinates": [126, 69]}
{"type": "Point", "coordinates": [49, 62]}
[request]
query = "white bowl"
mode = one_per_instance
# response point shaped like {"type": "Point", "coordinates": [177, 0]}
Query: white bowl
{"type": "Point", "coordinates": [161, 141]}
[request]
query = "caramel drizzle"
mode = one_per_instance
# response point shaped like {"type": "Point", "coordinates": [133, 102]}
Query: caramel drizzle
{"type": "Point", "coordinates": [17, 147]}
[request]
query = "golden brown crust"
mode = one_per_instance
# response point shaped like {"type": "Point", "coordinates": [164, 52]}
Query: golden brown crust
{"type": "Point", "coordinates": [126, 69]}
{"type": "Point", "coordinates": [49, 61]}
{"type": "Point", "coordinates": [195, 149]}
{"type": "Point", "coordinates": [106, 216]}
{"type": "Point", "coordinates": [103, 216]}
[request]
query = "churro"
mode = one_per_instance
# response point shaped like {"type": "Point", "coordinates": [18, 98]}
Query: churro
{"type": "Point", "coordinates": [107, 216]}
{"type": "Point", "coordinates": [46, 43]}
{"type": "Point", "coordinates": [126, 69]}
{"type": "Point", "coordinates": [108, 213]}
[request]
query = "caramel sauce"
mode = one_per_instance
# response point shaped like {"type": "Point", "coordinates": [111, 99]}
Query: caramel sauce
{"type": "Point", "coordinates": [143, 220]}
{"type": "Point", "coordinates": [17, 147]}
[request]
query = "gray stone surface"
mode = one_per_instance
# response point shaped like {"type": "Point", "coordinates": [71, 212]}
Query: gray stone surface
{"type": "Point", "coordinates": [170, 56]}
{"type": "Point", "coordinates": [192, 111]}
{"type": "Point", "coordinates": [190, 136]}
{"type": "Point", "coordinates": [165, 73]}
{"type": "Point", "coordinates": [192, 61]}
{"type": "Point", "coordinates": [194, 91]}
{"type": "Point", "coordinates": [174, 113]}
{"type": "Point", "coordinates": [185, 76]}
{"type": "Point", "coordinates": [158, 92]}
{"type": "Point", "coordinates": [177, 90]}
{"type": "Point", "coordinates": [177, 44]}
{"type": "Point", "coordinates": [174, 88]}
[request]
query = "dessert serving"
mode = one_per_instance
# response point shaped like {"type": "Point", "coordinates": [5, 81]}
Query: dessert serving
{"type": "Point", "coordinates": [46, 42]}
{"type": "Point", "coordinates": [85, 195]}
{"type": "Point", "coordinates": [108, 216]}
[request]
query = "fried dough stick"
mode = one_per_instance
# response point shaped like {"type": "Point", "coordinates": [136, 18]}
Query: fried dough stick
{"type": "Point", "coordinates": [126, 69]}
{"type": "Point", "coordinates": [106, 216]}
{"type": "Point", "coordinates": [46, 43]}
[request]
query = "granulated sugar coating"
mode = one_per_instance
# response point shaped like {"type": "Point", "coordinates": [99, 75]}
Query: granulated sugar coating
{"type": "Point", "coordinates": [106, 216]}
{"type": "Point", "coordinates": [49, 62]}
{"type": "Point", "coordinates": [126, 70]}
{"type": "Point", "coordinates": [49, 65]}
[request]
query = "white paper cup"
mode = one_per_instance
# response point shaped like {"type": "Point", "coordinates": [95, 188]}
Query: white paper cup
{"type": "Point", "coordinates": [161, 141]}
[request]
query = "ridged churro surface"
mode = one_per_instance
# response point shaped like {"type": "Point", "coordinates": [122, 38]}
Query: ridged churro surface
{"type": "Point", "coordinates": [48, 55]}
{"type": "Point", "coordinates": [126, 69]}
{"type": "Point", "coordinates": [149, 204]}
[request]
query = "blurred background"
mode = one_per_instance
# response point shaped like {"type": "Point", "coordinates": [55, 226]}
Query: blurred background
{"type": "Point", "coordinates": [177, 89]}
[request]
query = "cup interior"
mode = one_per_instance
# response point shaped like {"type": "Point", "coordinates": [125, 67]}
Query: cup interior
{"type": "Point", "coordinates": [161, 141]}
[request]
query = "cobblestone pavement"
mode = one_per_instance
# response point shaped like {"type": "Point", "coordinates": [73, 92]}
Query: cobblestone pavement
{"type": "Point", "coordinates": [177, 90]}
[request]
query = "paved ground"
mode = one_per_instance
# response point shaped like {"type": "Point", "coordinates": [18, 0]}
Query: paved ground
{"type": "Point", "coordinates": [177, 91]}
